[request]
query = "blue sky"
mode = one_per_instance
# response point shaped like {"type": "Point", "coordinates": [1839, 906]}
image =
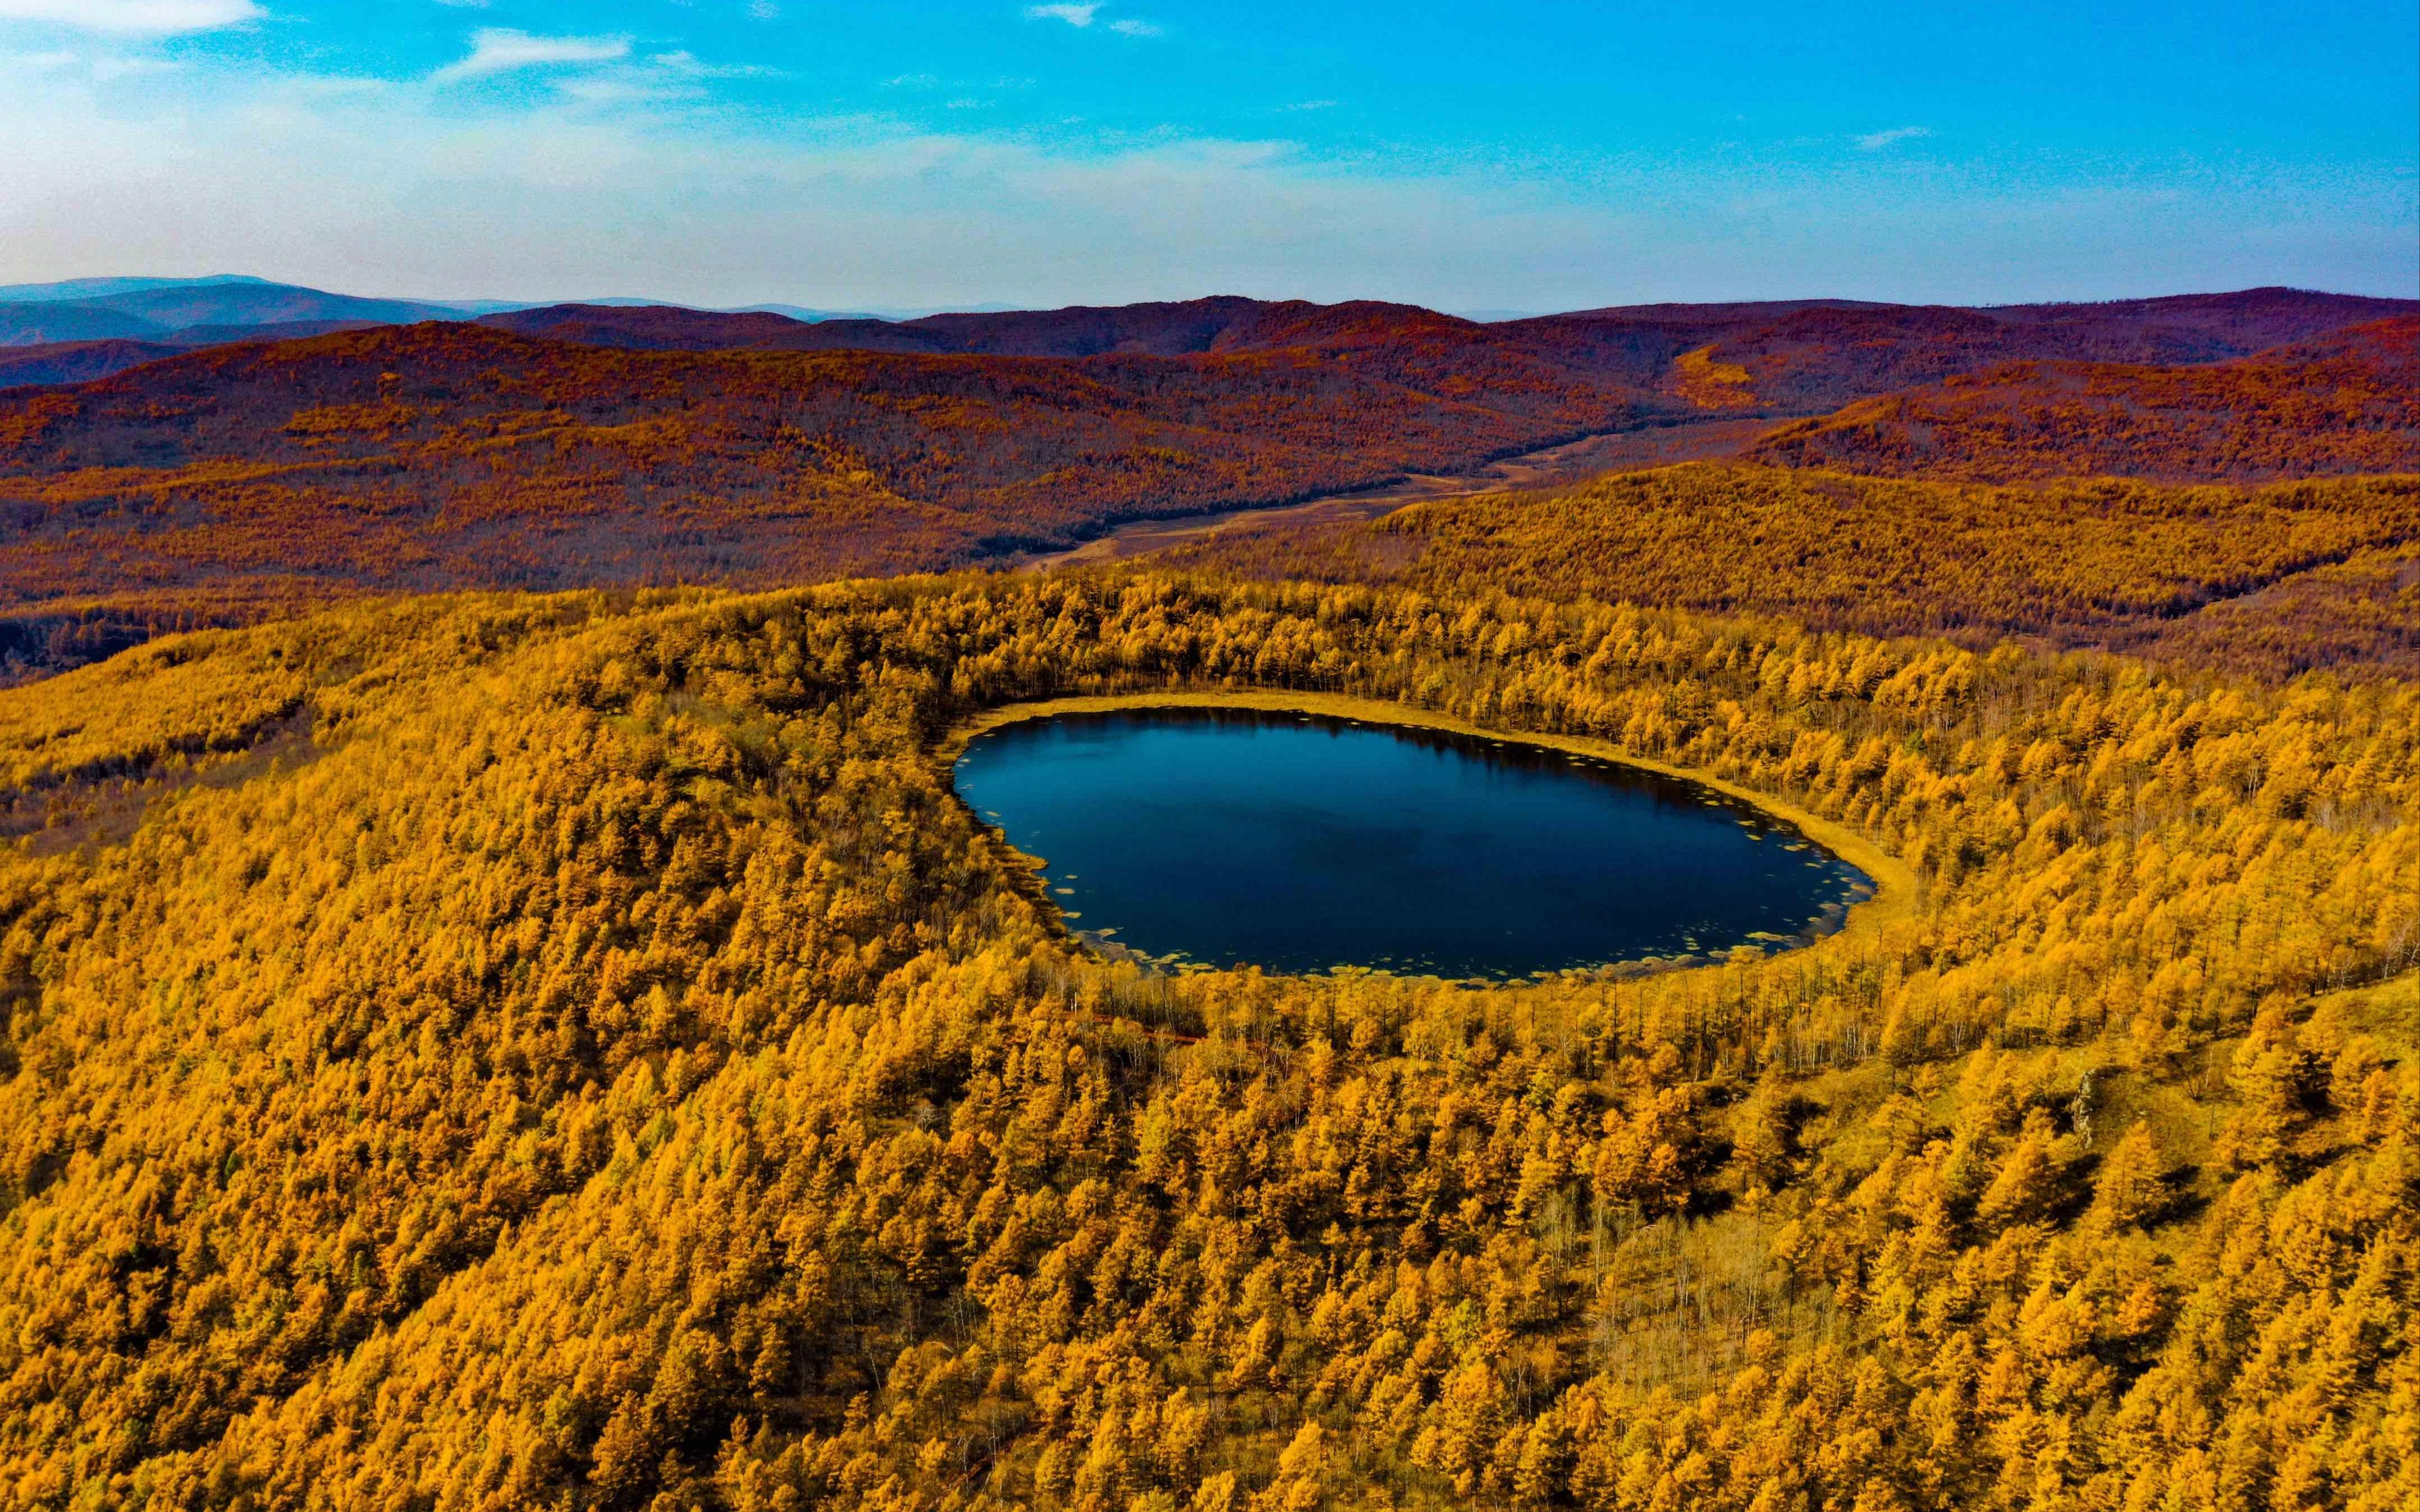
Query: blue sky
{"type": "Point", "coordinates": [1506, 156]}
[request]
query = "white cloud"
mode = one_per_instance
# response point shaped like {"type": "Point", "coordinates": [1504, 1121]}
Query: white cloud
{"type": "Point", "coordinates": [402, 188]}
{"type": "Point", "coordinates": [502, 50]}
{"type": "Point", "coordinates": [1876, 141]}
{"type": "Point", "coordinates": [687, 65]}
{"type": "Point", "coordinates": [634, 87]}
{"type": "Point", "coordinates": [1309, 104]}
{"type": "Point", "coordinates": [141, 18]}
{"type": "Point", "coordinates": [1083, 15]}
{"type": "Point", "coordinates": [390, 189]}
{"type": "Point", "coordinates": [765, 10]}
{"type": "Point", "coordinates": [106, 69]}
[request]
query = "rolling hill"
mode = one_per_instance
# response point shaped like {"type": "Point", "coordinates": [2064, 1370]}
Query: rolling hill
{"type": "Point", "coordinates": [264, 304]}
{"type": "Point", "coordinates": [192, 312]}
{"type": "Point", "coordinates": [76, 361]}
{"type": "Point", "coordinates": [1814, 356]}
{"type": "Point", "coordinates": [2270, 581]}
{"type": "Point", "coordinates": [2345, 403]}
{"type": "Point", "coordinates": [62, 321]}
{"type": "Point", "coordinates": [99, 288]}
{"type": "Point", "coordinates": [449, 455]}
{"type": "Point", "coordinates": [617, 444]}
{"type": "Point", "coordinates": [1799, 354]}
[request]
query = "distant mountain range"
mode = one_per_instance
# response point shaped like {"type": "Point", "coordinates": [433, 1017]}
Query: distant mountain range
{"type": "Point", "coordinates": [221, 467]}
{"type": "Point", "coordinates": [99, 288]}
{"type": "Point", "coordinates": [1802, 356]}
{"type": "Point", "coordinates": [234, 306]}
{"type": "Point", "coordinates": [87, 328]}
{"type": "Point", "coordinates": [190, 312]}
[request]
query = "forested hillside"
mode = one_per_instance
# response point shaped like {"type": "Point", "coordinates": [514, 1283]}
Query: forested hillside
{"type": "Point", "coordinates": [434, 456]}
{"type": "Point", "coordinates": [1810, 356]}
{"type": "Point", "coordinates": [2350, 403]}
{"type": "Point", "coordinates": [40, 364]}
{"type": "Point", "coordinates": [591, 445]}
{"type": "Point", "coordinates": [494, 1051]}
{"type": "Point", "coordinates": [2272, 580]}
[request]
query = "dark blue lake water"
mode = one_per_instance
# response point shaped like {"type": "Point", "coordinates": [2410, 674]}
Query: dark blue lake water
{"type": "Point", "coordinates": [1297, 843]}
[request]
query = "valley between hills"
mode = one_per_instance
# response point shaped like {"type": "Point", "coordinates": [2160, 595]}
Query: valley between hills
{"type": "Point", "coordinates": [503, 1005]}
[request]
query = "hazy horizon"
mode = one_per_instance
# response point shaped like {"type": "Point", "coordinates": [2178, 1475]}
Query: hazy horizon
{"type": "Point", "coordinates": [476, 303]}
{"type": "Point", "coordinates": [946, 156]}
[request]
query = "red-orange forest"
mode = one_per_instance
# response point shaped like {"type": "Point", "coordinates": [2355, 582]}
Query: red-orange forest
{"type": "Point", "coordinates": [500, 1006]}
{"type": "Point", "coordinates": [590, 445]}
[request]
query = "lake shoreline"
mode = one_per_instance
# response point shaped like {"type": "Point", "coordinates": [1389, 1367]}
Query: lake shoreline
{"type": "Point", "coordinates": [1895, 886]}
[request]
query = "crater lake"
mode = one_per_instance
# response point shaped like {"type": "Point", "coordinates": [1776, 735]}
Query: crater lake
{"type": "Point", "coordinates": [1301, 842]}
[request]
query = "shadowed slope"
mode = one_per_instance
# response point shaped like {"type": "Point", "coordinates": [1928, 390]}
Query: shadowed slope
{"type": "Point", "coordinates": [77, 361]}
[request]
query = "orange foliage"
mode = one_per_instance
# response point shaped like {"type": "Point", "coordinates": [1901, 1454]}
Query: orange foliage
{"type": "Point", "coordinates": [2351, 404]}
{"type": "Point", "coordinates": [1709, 384]}
{"type": "Point", "coordinates": [597, 1063]}
{"type": "Point", "coordinates": [435, 455]}
{"type": "Point", "coordinates": [2275, 579]}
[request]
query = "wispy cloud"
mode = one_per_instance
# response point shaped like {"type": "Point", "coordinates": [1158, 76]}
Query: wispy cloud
{"type": "Point", "coordinates": [688, 66]}
{"type": "Point", "coordinates": [1309, 104]}
{"type": "Point", "coordinates": [140, 18]}
{"type": "Point", "coordinates": [1876, 141]}
{"type": "Point", "coordinates": [389, 186]}
{"type": "Point", "coordinates": [765, 10]}
{"type": "Point", "coordinates": [1084, 14]}
{"type": "Point", "coordinates": [129, 67]}
{"type": "Point", "coordinates": [502, 50]}
{"type": "Point", "coordinates": [634, 87]}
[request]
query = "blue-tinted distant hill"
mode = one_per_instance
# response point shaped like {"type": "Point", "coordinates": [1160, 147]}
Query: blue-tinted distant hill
{"type": "Point", "coordinates": [202, 312]}
{"type": "Point", "coordinates": [56, 320]}
{"type": "Point", "coordinates": [193, 311]}
{"type": "Point", "coordinates": [101, 289]}
{"type": "Point", "coordinates": [254, 305]}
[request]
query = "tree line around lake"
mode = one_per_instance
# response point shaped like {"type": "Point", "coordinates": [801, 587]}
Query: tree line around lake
{"type": "Point", "coordinates": [576, 1052]}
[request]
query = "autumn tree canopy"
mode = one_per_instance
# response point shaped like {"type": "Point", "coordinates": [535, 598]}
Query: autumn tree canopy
{"type": "Point", "coordinates": [575, 1051]}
